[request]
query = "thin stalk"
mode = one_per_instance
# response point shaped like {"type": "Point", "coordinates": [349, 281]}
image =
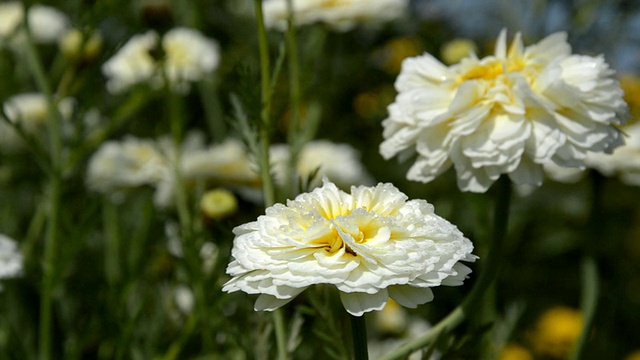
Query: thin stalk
{"type": "Point", "coordinates": [590, 289]}
{"type": "Point", "coordinates": [265, 113]}
{"type": "Point", "coordinates": [53, 195]}
{"type": "Point", "coordinates": [293, 138]}
{"type": "Point", "coordinates": [359, 335]}
{"type": "Point", "coordinates": [175, 114]}
{"type": "Point", "coordinates": [265, 175]}
{"type": "Point", "coordinates": [112, 241]}
{"type": "Point", "coordinates": [489, 273]}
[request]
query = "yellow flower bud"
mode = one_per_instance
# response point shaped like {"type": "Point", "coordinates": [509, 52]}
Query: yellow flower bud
{"type": "Point", "coordinates": [76, 46]}
{"type": "Point", "coordinates": [218, 203]}
{"type": "Point", "coordinates": [556, 332]}
{"type": "Point", "coordinates": [515, 352]}
{"type": "Point", "coordinates": [457, 49]}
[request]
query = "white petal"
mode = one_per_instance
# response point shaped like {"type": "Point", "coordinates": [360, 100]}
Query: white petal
{"type": "Point", "coordinates": [410, 296]}
{"type": "Point", "coordinates": [357, 303]}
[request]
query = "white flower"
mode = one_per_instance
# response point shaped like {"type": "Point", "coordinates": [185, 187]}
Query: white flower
{"type": "Point", "coordinates": [504, 114]}
{"type": "Point", "coordinates": [132, 64]}
{"type": "Point", "coordinates": [624, 161]}
{"type": "Point", "coordinates": [224, 163]}
{"type": "Point", "coordinates": [46, 24]}
{"type": "Point", "coordinates": [189, 56]}
{"type": "Point", "coordinates": [340, 15]}
{"type": "Point", "coordinates": [29, 111]}
{"type": "Point", "coordinates": [371, 244]}
{"type": "Point", "coordinates": [340, 163]}
{"type": "Point", "coordinates": [130, 163]}
{"type": "Point", "coordinates": [10, 258]}
{"type": "Point", "coordinates": [11, 16]}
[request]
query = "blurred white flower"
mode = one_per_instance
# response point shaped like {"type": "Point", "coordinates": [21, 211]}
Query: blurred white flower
{"type": "Point", "coordinates": [46, 24]}
{"type": "Point", "coordinates": [568, 175]}
{"type": "Point", "coordinates": [189, 56]}
{"type": "Point", "coordinates": [30, 112]}
{"type": "Point", "coordinates": [224, 163]}
{"type": "Point", "coordinates": [340, 163]}
{"type": "Point", "coordinates": [509, 113]}
{"type": "Point", "coordinates": [624, 161]}
{"type": "Point", "coordinates": [371, 244]}
{"type": "Point", "coordinates": [132, 64]}
{"type": "Point", "coordinates": [184, 299]}
{"type": "Point", "coordinates": [340, 15]}
{"type": "Point", "coordinates": [11, 16]}
{"type": "Point", "coordinates": [10, 258]}
{"type": "Point", "coordinates": [133, 162]}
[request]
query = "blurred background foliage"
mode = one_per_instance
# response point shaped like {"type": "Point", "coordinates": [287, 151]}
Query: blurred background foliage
{"type": "Point", "coordinates": [122, 289]}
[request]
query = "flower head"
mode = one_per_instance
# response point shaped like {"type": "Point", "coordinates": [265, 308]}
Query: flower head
{"type": "Point", "coordinates": [556, 332]}
{"type": "Point", "coordinates": [132, 64]}
{"type": "Point", "coordinates": [340, 15]}
{"type": "Point", "coordinates": [46, 24]}
{"type": "Point", "coordinates": [187, 57]}
{"type": "Point", "coordinates": [508, 113]}
{"type": "Point", "coordinates": [371, 244]}
{"type": "Point", "coordinates": [340, 163]}
{"type": "Point", "coordinates": [130, 163]}
{"type": "Point", "coordinates": [10, 258]}
{"type": "Point", "coordinates": [30, 112]}
{"type": "Point", "coordinates": [624, 161]}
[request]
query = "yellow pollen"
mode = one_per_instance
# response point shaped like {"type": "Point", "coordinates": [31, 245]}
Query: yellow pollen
{"type": "Point", "coordinates": [491, 70]}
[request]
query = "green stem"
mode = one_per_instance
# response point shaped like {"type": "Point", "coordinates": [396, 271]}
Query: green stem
{"type": "Point", "coordinates": [487, 276]}
{"type": "Point", "coordinates": [265, 175]}
{"type": "Point", "coordinates": [112, 241]}
{"type": "Point", "coordinates": [175, 114]}
{"type": "Point", "coordinates": [590, 291]}
{"type": "Point", "coordinates": [54, 194]}
{"type": "Point", "coordinates": [265, 91]}
{"type": "Point", "coordinates": [359, 334]}
{"type": "Point", "coordinates": [295, 142]}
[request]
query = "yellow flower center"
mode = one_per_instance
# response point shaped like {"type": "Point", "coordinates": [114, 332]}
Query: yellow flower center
{"type": "Point", "coordinates": [362, 227]}
{"type": "Point", "coordinates": [490, 70]}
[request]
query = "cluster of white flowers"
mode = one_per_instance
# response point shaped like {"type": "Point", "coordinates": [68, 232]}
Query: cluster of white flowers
{"type": "Point", "coordinates": [371, 244]}
{"type": "Point", "coordinates": [509, 113]}
{"type": "Point", "coordinates": [340, 163]}
{"type": "Point", "coordinates": [188, 56]}
{"type": "Point", "coordinates": [10, 258]}
{"type": "Point", "coordinates": [30, 112]}
{"type": "Point", "coordinates": [46, 24]}
{"type": "Point", "coordinates": [340, 15]}
{"type": "Point", "coordinates": [121, 165]}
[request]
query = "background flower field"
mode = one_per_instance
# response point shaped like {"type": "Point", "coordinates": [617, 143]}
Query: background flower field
{"type": "Point", "coordinates": [123, 173]}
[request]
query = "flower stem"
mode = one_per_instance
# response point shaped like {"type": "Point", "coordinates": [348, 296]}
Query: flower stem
{"type": "Point", "coordinates": [359, 334]}
{"type": "Point", "coordinates": [590, 291]}
{"type": "Point", "coordinates": [265, 175]}
{"type": "Point", "coordinates": [265, 91]}
{"type": "Point", "coordinates": [293, 138]}
{"type": "Point", "coordinates": [53, 194]}
{"type": "Point", "coordinates": [487, 276]}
